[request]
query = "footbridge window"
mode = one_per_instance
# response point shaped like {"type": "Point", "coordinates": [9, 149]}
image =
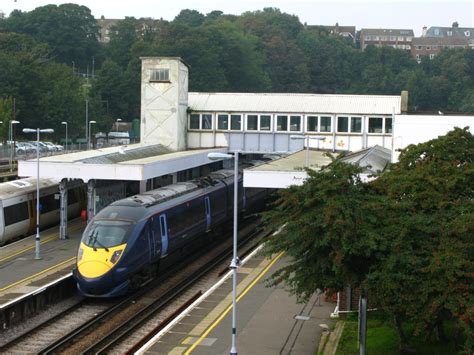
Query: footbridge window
{"type": "Point", "coordinates": [319, 124]}
{"type": "Point", "coordinates": [200, 121]}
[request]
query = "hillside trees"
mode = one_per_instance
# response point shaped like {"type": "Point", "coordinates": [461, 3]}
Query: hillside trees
{"type": "Point", "coordinates": [70, 30]}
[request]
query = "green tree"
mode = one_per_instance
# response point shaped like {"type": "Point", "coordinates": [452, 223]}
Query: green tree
{"type": "Point", "coordinates": [330, 235]}
{"type": "Point", "coordinates": [428, 278]}
{"type": "Point", "coordinates": [405, 238]}
{"type": "Point", "coordinates": [69, 29]}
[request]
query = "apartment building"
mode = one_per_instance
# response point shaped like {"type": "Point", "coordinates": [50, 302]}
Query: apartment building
{"type": "Point", "coordinates": [381, 37]}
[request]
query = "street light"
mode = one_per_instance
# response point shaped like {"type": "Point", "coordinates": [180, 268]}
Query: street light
{"type": "Point", "coordinates": [65, 123]}
{"type": "Point", "coordinates": [89, 137]}
{"type": "Point", "coordinates": [307, 138]}
{"type": "Point", "coordinates": [116, 123]}
{"type": "Point", "coordinates": [38, 131]}
{"type": "Point", "coordinates": [235, 260]}
{"type": "Point", "coordinates": [12, 145]}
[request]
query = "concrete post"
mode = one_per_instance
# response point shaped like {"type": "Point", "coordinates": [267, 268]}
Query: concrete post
{"type": "Point", "coordinates": [90, 200]}
{"type": "Point", "coordinates": [63, 209]}
{"type": "Point", "coordinates": [143, 186]}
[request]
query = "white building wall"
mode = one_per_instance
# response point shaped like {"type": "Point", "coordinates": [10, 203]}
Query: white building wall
{"type": "Point", "coordinates": [415, 129]}
{"type": "Point", "coordinates": [164, 102]}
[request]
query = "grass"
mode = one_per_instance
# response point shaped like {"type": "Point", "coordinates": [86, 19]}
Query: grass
{"type": "Point", "coordinates": [382, 338]}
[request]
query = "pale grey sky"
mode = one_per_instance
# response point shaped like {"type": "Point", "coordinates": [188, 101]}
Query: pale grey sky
{"type": "Point", "coordinates": [411, 14]}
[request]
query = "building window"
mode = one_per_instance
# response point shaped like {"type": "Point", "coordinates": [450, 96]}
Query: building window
{"type": "Point", "coordinates": [325, 124]}
{"type": "Point", "coordinates": [206, 121]}
{"type": "Point", "coordinates": [295, 123]}
{"type": "Point", "coordinates": [393, 38]}
{"type": "Point", "coordinates": [356, 124]}
{"type": "Point", "coordinates": [252, 122]}
{"type": "Point", "coordinates": [409, 39]}
{"type": "Point", "coordinates": [223, 122]}
{"type": "Point", "coordinates": [265, 122]}
{"type": "Point", "coordinates": [160, 75]}
{"type": "Point", "coordinates": [436, 31]}
{"type": "Point", "coordinates": [388, 125]}
{"type": "Point", "coordinates": [400, 38]}
{"type": "Point", "coordinates": [312, 124]}
{"type": "Point", "coordinates": [375, 124]}
{"type": "Point", "coordinates": [194, 121]}
{"type": "Point", "coordinates": [467, 33]}
{"type": "Point", "coordinates": [282, 123]}
{"type": "Point", "coordinates": [450, 33]}
{"type": "Point", "coordinates": [235, 122]}
{"type": "Point", "coordinates": [200, 121]}
{"type": "Point", "coordinates": [343, 124]}
{"type": "Point", "coordinates": [432, 56]}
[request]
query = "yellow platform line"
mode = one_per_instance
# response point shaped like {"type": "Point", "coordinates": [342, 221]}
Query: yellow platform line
{"type": "Point", "coordinates": [227, 310]}
{"type": "Point", "coordinates": [35, 275]}
{"type": "Point", "coordinates": [46, 240]}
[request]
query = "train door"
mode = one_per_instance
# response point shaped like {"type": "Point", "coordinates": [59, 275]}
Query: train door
{"type": "Point", "coordinates": [164, 235]}
{"type": "Point", "coordinates": [151, 241]}
{"type": "Point", "coordinates": [207, 204]}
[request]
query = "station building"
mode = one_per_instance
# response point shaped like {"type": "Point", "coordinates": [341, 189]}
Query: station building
{"type": "Point", "coordinates": [179, 129]}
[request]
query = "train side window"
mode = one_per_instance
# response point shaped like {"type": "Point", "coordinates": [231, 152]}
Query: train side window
{"type": "Point", "coordinates": [16, 213]}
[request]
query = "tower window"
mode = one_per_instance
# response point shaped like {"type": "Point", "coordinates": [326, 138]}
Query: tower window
{"type": "Point", "coordinates": [160, 75]}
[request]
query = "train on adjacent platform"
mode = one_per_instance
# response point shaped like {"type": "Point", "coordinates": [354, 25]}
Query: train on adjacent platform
{"type": "Point", "coordinates": [152, 230]}
{"type": "Point", "coordinates": [18, 206]}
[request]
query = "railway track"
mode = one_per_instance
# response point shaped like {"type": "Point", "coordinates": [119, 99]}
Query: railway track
{"type": "Point", "coordinates": [107, 328]}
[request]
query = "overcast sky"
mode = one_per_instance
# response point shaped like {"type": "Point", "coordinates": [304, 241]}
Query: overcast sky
{"type": "Point", "coordinates": [410, 14]}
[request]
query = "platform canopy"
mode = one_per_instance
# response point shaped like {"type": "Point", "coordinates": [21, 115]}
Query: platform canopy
{"type": "Point", "coordinates": [133, 162]}
{"type": "Point", "coordinates": [284, 172]}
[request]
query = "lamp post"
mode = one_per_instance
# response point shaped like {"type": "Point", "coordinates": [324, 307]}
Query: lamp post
{"type": "Point", "coordinates": [307, 138]}
{"type": "Point", "coordinates": [116, 123]}
{"type": "Point", "coordinates": [65, 123]}
{"type": "Point", "coordinates": [89, 137]}
{"type": "Point", "coordinates": [235, 260]}
{"type": "Point", "coordinates": [12, 145]}
{"type": "Point", "coordinates": [38, 131]}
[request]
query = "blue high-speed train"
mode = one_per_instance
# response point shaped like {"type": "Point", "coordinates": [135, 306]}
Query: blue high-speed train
{"type": "Point", "coordinates": [132, 237]}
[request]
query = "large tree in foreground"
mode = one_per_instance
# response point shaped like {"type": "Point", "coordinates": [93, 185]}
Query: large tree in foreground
{"type": "Point", "coordinates": [406, 238]}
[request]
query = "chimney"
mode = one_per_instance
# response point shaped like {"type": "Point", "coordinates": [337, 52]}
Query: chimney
{"type": "Point", "coordinates": [455, 24]}
{"type": "Point", "coordinates": [423, 31]}
{"type": "Point", "coordinates": [404, 102]}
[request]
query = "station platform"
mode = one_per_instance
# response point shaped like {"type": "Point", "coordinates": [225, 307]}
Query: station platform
{"type": "Point", "coordinates": [269, 320]}
{"type": "Point", "coordinates": [22, 274]}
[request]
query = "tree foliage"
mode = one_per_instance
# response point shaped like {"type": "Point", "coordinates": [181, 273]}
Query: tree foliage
{"type": "Point", "coordinates": [405, 238]}
{"type": "Point", "coordinates": [258, 51]}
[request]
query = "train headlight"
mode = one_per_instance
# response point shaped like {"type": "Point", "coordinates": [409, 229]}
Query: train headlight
{"type": "Point", "coordinates": [115, 256]}
{"type": "Point", "coordinates": [79, 254]}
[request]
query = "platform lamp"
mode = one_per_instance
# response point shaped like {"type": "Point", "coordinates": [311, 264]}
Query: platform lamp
{"type": "Point", "coordinates": [89, 137]}
{"type": "Point", "coordinates": [37, 131]}
{"type": "Point", "coordinates": [307, 138]}
{"type": "Point", "coordinates": [235, 260]}
{"type": "Point", "coordinates": [65, 123]}
{"type": "Point", "coordinates": [116, 123]}
{"type": "Point", "coordinates": [12, 146]}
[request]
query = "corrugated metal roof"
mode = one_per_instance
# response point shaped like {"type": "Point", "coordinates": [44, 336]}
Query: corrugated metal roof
{"type": "Point", "coordinates": [131, 154]}
{"type": "Point", "coordinates": [372, 160]}
{"type": "Point", "coordinates": [294, 103]}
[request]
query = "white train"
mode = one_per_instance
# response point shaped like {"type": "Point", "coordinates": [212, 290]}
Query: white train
{"type": "Point", "coordinates": [18, 206]}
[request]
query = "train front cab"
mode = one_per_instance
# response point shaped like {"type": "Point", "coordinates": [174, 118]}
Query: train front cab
{"type": "Point", "coordinates": [103, 260]}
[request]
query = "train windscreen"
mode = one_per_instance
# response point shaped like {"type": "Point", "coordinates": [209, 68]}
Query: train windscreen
{"type": "Point", "coordinates": [106, 233]}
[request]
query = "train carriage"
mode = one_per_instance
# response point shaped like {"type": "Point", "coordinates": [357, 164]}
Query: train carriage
{"type": "Point", "coordinates": [136, 234]}
{"type": "Point", "coordinates": [18, 206]}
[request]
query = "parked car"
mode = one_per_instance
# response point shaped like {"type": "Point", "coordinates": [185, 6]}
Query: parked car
{"type": "Point", "coordinates": [24, 148]}
{"type": "Point", "coordinates": [43, 148]}
{"type": "Point", "coordinates": [54, 147]}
